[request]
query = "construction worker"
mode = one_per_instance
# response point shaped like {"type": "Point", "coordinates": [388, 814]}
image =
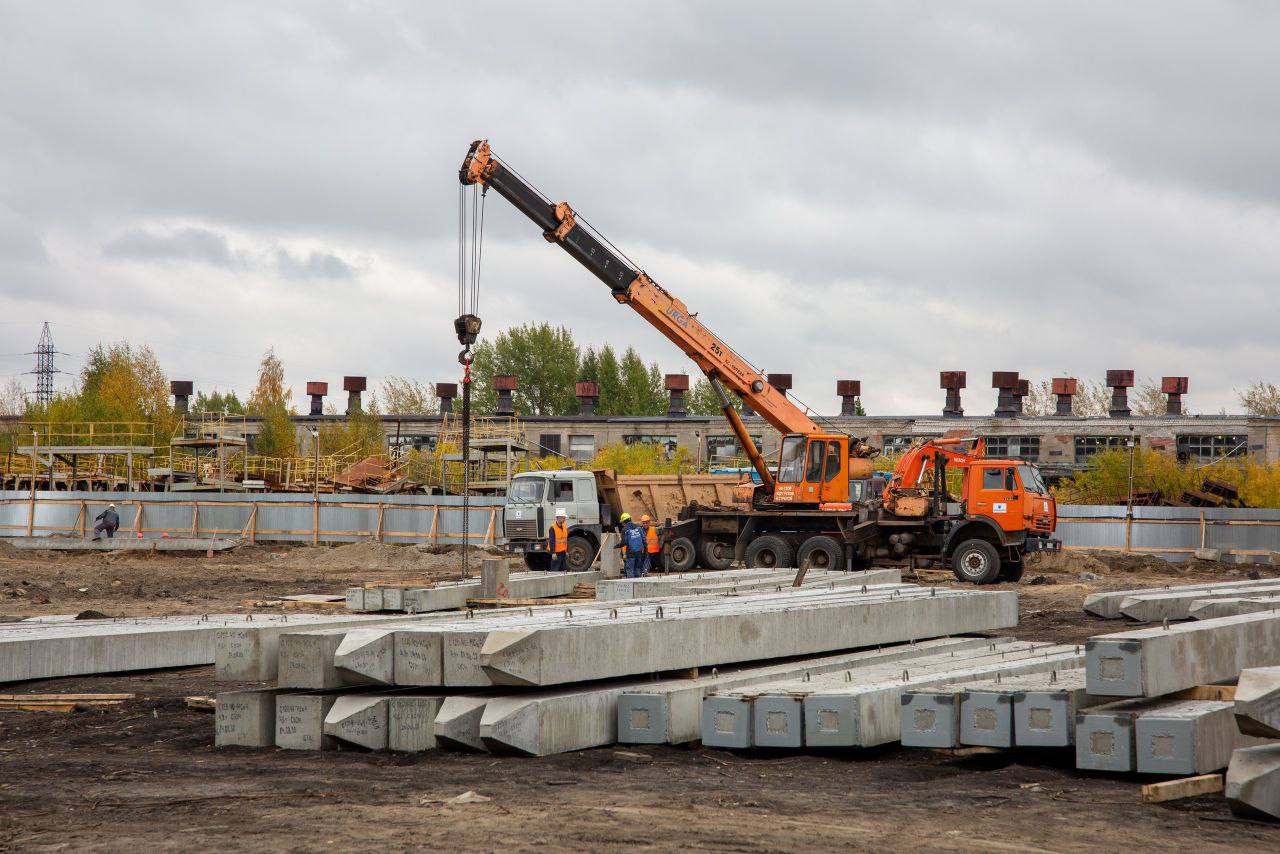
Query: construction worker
{"type": "Point", "coordinates": [107, 521]}
{"type": "Point", "coordinates": [632, 545]}
{"type": "Point", "coordinates": [559, 535]}
{"type": "Point", "coordinates": [652, 544]}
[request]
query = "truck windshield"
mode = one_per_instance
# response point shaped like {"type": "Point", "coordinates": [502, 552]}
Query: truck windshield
{"type": "Point", "coordinates": [526, 490]}
{"type": "Point", "coordinates": [791, 460]}
{"type": "Point", "coordinates": [1031, 480]}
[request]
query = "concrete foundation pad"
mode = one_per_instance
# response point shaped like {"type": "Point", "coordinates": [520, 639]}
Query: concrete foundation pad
{"type": "Point", "coordinates": [1253, 782]}
{"type": "Point", "coordinates": [1257, 703]}
{"type": "Point", "coordinates": [1157, 661]}
{"type": "Point", "coordinates": [245, 718]}
{"type": "Point", "coordinates": [300, 721]}
{"type": "Point", "coordinates": [411, 722]}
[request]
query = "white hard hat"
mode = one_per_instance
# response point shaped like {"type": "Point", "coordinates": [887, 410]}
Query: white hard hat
{"type": "Point", "coordinates": [560, 511]}
{"type": "Point", "coordinates": [111, 507]}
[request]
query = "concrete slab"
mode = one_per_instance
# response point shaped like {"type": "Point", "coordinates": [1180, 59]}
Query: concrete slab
{"type": "Point", "coordinates": [411, 722]}
{"type": "Point", "coordinates": [728, 581]}
{"type": "Point", "coordinates": [300, 720]}
{"type": "Point", "coordinates": [1211, 609]}
{"type": "Point", "coordinates": [549, 656]}
{"type": "Point", "coordinates": [1190, 737]}
{"type": "Point", "coordinates": [245, 718]}
{"type": "Point", "coordinates": [1253, 782]}
{"type": "Point", "coordinates": [1176, 604]}
{"type": "Point", "coordinates": [1257, 703]}
{"type": "Point", "coordinates": [1107, 605]}
{"type": "Point", "coordinates": [673, 715]}
{"type": "Point", "coordinates": [1157, 661]}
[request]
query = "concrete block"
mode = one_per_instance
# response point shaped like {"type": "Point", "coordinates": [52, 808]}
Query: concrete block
{"type": "Point", "coordinates": [549, 722]}
{"type": "Point", "coordinates": [1257, 703]}
{"type": "Point", "coordinates": [495, 573]}
{"type": "Point", "coordinates": [928, 719]}
{"type": "Point", "coordinates": [726, 722]}
{"type": "Point", "coordinates": [1185, 738]}
{"type": "Point", "coordinates": [1207, 554]}
{"type": "Point", "coordinates": [250, 651]}
{"type": "Point", "coordinates": [359, 719]}
{"type": "Point", "coordinates": [411, 722]}
{"type": "Point", "coordinates": [245, 718]}
{"type": "Point", "coordinates": [1046, 716]}
{"type": "Point", "coordinates": [354, 598]}
{"type": "Point", "coordinates": [1157, 661]}
{"type": "Point", "coordinates": [1176, 604]}
{"type": "Point", "coordinates": [300, 721]}
{"type": "Point", "coordinates": [777, 722]}
{"type": "Point", "coordinates": [610, 557]}
{"type": "Point", "coordinates": [986, 718]}
{"type": "Point", "coordinates": [393, 599]}
{"type": "Point", "coordinates": [1253, 782]}
{"type": "Point", "coordinates": [1105, 735]}
{"type": "Point", "coordinates": [457, 724]}
{"type": "Point", "coordinates": [306, 660]}
{"type": "Point", "coordinates": [1107, 605]}
{"type": "Point", "coordinates": [366, 656]}
{"type": "Point", "coordinates": [1212, 609]}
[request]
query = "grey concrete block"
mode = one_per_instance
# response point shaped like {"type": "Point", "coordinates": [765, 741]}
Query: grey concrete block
{"type": "Point", "coordinates": [986, 718]}
{"type": "Point", "coordinates": [411, 722]}
{"type": "Point", "coordinates": [1191, 737]}
{"type": "Point", "coordinates": [928, 719]}
{"type": "Point", "coordinates": [1157, 661]}
{"type": "Point", "coordinates": [1257, 702]}
{"type": "Point", "coordinates": [1253, 782]}
{"type": "Point", "coordinates": [495, 574]}
{"type": "Point", "coordinates": [1105, 736]}
{"type": "Point", "coordinates": [366, 656]}
{"type": "Point", "coordinates": [250, 651]}
{"type": "Point", "coordinates": [245, 718]}
{"type": "Point", "coordinates": [300, 721]}
{"type": "Point", "coordinates": [1207, 554]}
{"type": "Point", "coordinates": [359, 719]}
{"type": "Point", "coordinates": [777, 722]}
{"type": "Point", "coordinates": [726, 722]}
{"type": "Point", "coordinates": [610, 558]}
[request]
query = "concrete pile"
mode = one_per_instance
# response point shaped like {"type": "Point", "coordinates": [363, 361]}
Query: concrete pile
{"type": "Point", "coordinates": [446, 595]}
{"type": "Point", "coordinates": [1110, 605]}
{"type": "Point", "coordinates": [543, 680]}
{"type": "Point", "coordinates": [735, 581]}
{"type": "Point", "coordinates": [1253, 776]}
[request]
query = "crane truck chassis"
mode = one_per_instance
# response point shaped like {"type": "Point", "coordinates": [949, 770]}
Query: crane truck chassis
{"type": "Point", "coordinates": [818, 506]}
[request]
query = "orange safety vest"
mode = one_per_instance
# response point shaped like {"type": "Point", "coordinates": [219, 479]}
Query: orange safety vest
{"type": "Point", "coordinates": [651, 540]}
{"type": "Point", "coordinates": [562, 536]}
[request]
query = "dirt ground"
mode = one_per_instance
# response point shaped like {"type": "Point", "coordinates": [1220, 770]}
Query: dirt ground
{"type": "Point", "coordinates": [145, 774]}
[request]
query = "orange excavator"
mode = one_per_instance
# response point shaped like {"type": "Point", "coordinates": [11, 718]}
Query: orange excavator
{"type": "Point", "coordinates": [818, 506]}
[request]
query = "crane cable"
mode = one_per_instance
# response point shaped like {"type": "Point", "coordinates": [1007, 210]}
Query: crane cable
{"type": "Point", "coordinates": [470, 257]}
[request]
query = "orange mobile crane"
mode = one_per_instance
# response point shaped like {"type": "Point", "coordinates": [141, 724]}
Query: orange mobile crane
{"type": "Point", "coordinates": [818, 506]}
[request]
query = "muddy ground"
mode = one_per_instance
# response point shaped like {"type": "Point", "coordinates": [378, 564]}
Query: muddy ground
{"type": "Point", "coordinates": [145, 774]}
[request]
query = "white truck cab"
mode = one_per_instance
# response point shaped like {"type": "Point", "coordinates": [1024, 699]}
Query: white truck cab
{"type": "Point", "coordinates": [532, 501]}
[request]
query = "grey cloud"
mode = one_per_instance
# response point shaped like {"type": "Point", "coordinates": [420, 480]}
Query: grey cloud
{"type": "Point", "coordinates": [315, 265]}
{"type": "Point", "coordinates": [186, 244]}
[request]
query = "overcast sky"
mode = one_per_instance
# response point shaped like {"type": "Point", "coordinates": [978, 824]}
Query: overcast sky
{"type": "Point", "coordinates": [874, 191]}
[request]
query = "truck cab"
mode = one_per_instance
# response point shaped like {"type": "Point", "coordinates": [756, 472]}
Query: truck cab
{"type": "Point", "coordinates": [532, 501]}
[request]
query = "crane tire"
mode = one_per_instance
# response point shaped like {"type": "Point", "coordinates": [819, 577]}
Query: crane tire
{"type": "Point", "coordinates": [976, 562]}
{"type": "Point", "coordinates": [821, 552]}
{"type": "Point", "coordinates": [681, 555]}
{"type": "Point", "coordinates": [716, 554]}
{"type": "Point", "coordinates": [578, 554]}
{"type": "Point", "coordinates": [769, 552]}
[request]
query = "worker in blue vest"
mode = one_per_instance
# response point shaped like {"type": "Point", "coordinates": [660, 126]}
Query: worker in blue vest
{"type": "Point", "coordinates": [558, 533]}
{"type": "Point", "coordinates": [633, 547]}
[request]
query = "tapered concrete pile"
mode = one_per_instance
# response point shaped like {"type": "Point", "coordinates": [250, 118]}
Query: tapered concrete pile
{"type": "Point", "coordinates": [445, 595]}
{"type": "Point", "coordinates": [1253, 782]}
{"type": "Point", "coordinates": [1108, 605]}
{"type": "Point", "coordinates": [1211, 609]}
{"type": "Point", "coordinates": [735, 581]}
{"type": "Point", "coordinates": [1257, 703]}
{"type": "Point", "coordinates": [1176, 604]}
{"type": "Point", "coordinates": [1158, 661]}
{"type": "Point", "coordinates": [858, 708]}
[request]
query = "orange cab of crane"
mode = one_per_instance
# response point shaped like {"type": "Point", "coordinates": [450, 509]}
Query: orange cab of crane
{"type": "Point", "coordinates": [813, 469]}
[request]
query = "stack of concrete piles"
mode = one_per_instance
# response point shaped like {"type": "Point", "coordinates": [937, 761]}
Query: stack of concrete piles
{"type": "Point", "coordinates": [549, 679]}
{"type": "Point", "coordinates": [446, 595]}
{"type": "Point", "coordinates": [859, 707]}
{"type": "Point", "coordinates": [735, 581]}
{"type": "Point", "coordinates": [1170, 721]}
{"type": "Point", "coordinates": [1184, 601]}
{"type": "Point", "coordinates": [1253, 776]}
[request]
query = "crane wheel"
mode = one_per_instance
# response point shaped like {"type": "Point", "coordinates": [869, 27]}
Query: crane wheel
{"type": "Point", "coordinates": [821, 553]}
{"type": "Point", "coordinates": [976, 562]}
{"type": "Point", "coordinates": [681, 555]}
{"type": "Point", "coordinates": [578, 554]}
{"type": "Point", "coordinates": [716, 554]}
{"type": "Point", "coordinates": [769, 552]}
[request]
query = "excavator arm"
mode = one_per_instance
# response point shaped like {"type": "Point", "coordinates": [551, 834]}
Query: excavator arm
{"type": "Point", "coordinates": [666, 313]}
{"type": "Point", "coordinates": [934, 454]}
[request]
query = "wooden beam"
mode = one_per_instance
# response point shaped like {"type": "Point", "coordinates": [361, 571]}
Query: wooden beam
{"type": "Point", "coordinates": [1225, 693]}
{"type": "Point", "coordinates": [1187, 787]}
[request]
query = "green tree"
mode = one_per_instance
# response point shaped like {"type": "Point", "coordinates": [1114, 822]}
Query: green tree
{"type": "Point", "coordinates": [271, 401]}
{"type": "Point", "coordinates": [702, 399]}
{"type": "Point", "coordinates": [217, 403]}
{"type": "Point", "coordinates": [270, 390]}
{"type": "Point", "coordinates": [405, 396]}
{"type": "Point", "coordinates": [611, 393]}
{"type": "Point", "coordinates": [543, 358]}
{"type": "Point", "coordinates": [641, 391]}
{"type": "Point", "coordinates": [1260, 398]}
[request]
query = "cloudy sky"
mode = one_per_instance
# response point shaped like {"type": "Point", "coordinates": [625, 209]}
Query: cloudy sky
{"type": "Point", "coordinates": [875, 191]}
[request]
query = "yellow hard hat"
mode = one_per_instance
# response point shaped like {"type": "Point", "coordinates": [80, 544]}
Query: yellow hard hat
{"type": "Point", "coordinates": [625, 517]}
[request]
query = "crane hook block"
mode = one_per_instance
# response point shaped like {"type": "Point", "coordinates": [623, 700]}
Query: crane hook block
{"type": "Point", "coordinates": [564, 214]}
{"type": "Point", "coordinates": [468, 328]}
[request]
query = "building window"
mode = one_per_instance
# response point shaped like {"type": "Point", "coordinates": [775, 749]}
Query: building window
{"type": "Point", "coordinates": [649, 439]}
{"type": "Point", "coordinates": [722, 449]}
{"type": "Point", "coordinates": [1013, 447]}
{"type": "Point", "coordinates": [1212, 447]}
{"type": "Point", "coordinates": [1087, 446]}
{"type": "Point", "coordinates": [549, 444]}
{"type": "Point", "coordinates": [582, 449]}
{"type": "Point", "coordinates": [892, 445]}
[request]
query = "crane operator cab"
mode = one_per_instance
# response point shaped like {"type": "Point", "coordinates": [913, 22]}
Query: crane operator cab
{"type": "Point", "coordinates": [819, 469]}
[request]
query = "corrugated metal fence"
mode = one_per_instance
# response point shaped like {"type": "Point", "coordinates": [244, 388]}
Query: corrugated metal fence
{"type": "Point", "coordinates": [288, 517]}
{"type": "Point", "coordinates": [1170, 532]}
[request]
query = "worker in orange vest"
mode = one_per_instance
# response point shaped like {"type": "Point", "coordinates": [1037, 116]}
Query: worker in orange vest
{"type": "Point", "coordinates": [652, 545]}
{"type": "Point", "coordinates": [559, 545]}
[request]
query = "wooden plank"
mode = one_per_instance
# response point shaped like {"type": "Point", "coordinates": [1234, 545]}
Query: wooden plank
{"type": "Point", "coordinates": [65, 697]}
{"type": "Point", "coordinates": [1208, 692]}
{"type": "Point", "coordinates": [1187, 787]}
{"type": "Point", "coordinates": [202, 704]}
{"type": "Point", "coordinates": [61, 707]}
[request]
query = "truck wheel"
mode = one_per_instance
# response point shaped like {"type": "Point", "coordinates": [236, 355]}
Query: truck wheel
{"type": "Point", "coordinates": [578, 554]}
{"type": "Point", "coordinates": [821, 553]}
{"type": "Point", "coordinates": [769, 552]}
{"type": "Point", "coordinates": [1013, 571]}
{"type": "Point", "coordinates": [537, 561]}
{"type": "Point", "coordinates": [976, 561]}
{"type": "Point", "coordinates": [681, 555]}
{"type": "Point", "coordinates": [717, 554]}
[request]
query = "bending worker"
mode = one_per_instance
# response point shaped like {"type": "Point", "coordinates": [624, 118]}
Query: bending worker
{"type": "Point", "coordinates": [632, 545]}
{"type": "Point", "coordinates": [559, 535]}
{"type": "Point", "coordinates": [107, 521]}
{"type": "Point", "coordinates": [652, 545]}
